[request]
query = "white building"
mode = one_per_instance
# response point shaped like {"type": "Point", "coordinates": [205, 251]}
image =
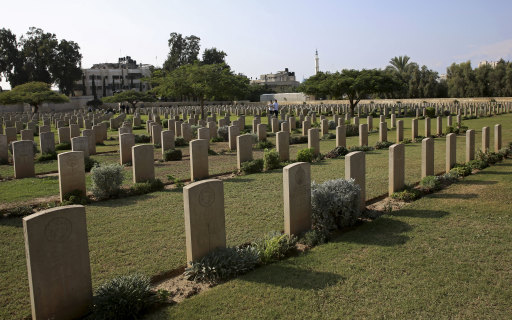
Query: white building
{"type": "Point", "coordinates": [493, 64]}
{"type": "Point", "coordinates": [108, 78]}
{"type": "Point", "coordinates": [282, 81]}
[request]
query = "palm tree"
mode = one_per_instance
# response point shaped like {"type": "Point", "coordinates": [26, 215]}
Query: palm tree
{"type": "Point", "coordinates": [400, 63]}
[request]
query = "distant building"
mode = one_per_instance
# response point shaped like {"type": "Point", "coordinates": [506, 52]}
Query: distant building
{"type": "Point", "coordinates": [282, 81]}
{"type": "Point", "coordinates": [443, 76]}
{"type": "Point", "coordinates": [126, 74]}
{"type": "Point", "coordinates": [493, 64]}
{"type": "Point", "coordinates": [317, 62]}
{"type": "Point", "coordinates": [283, 97]}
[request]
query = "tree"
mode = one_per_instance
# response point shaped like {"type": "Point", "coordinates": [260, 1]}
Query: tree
{"type": "Point", "coordinates": [212, 56]}
{"type": "Point", "coordinates": [130, 96]}
{"type": "Point", "coordinates": [316, 85]}
{"type": "Point", "coordinates": [104, 87]}
{"type": "Point", "coordinates": [255, 91]}
{"type": "Point", "coordinates": [94, 94]}
{"type": "Point", "coordinates": [33, 93]}
{"type": "Point", "coordinates": [182, 51]}
{"type": "Point", "coordinates": [39, 56]}
{"type": "Point", "coordinates": [400, 63]}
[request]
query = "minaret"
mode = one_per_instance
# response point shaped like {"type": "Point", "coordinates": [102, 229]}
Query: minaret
{"type": "Point", "coordinates": [317, 66]}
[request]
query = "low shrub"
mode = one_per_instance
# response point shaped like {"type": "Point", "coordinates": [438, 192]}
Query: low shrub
{"type": "Point", "coordinates": [142, 138]}
{"type": "Point", "coordinates": [504, 152]}
{"type": "Point", "coordinates": [383, 145]}
{"type": "Point", "coordinates": [406, 141]}
{"type": "Point", "coordinates": [47, 156]}
{"type": "Point", "coordinates": [173, 155]}
{"type": "Point", "coordinates": [335, 204]}
{"type": "Point", "coordinates": [314, 237]}
{"type": "Point", "coordinates": [360, 148]}
{"type": "Point", "coordinates": [430, 112]}
{"type": "Point", "coordinates": [180, 142]}
{"type": "Point", "coordinates": [430, 184]}
{"type": "Point", "coordinates": [152, 185]}
{"type": "Point", "coordinates": [328, 136]}
{"type": "Point", "coordinates": [63, 146]}
{"type": "Point", "coordinates": [75, 197]}
{"type": "Point", "coordinates": [332, 125]}
{"type": "Point", "coordinates": [90, 163]}
{"type": "Point", "coordinates": [216, 139]}
{"type": "Point", "coordinates": [179, 185]}
{"type": "Point", "coordinates": [270, 159]}
{"type": "Point", "coordinates": [275, 246]}
{"type": "Point", "coordinates": [337, 152]}
{"type": "Point", "coordinates": [106, 180]}
{"type": "Point", "coordinates": [352, 130]}
{"type": "Point", "coordinates": [461, 170]}
{"type": "Point", "coordinates": [299, 140]}
{"type": "Point", "coordinates": [266, 144]}
{"type": "Point", "coordinates": [254, 166]}
{"type": "Point", "coordinates": [408, 194]}
{"type": "Point", "coordinates": [20, 211]}
{"type": "Point", "coordinates": [306, 155]}
{"type": "Point", "coordinates": [223, 133]}
{"type": "Point", "coordinates": [448, 178]}
{"type": "Point", "coordinates": [124, 297]}
{"type": "Point", "coordinates": [223, 263]}
{"type": "Point", "coordinates": [478, 164]}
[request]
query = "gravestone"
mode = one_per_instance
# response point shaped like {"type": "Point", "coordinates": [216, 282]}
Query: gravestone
{"type": "Point", "coordinates": [43, 129]}
{"type": "Point", "coordinates": [23, 159]}
{"type": "Point", "coordinates": [470, 145]}
{"type": "Point", "coordinates": [205, 228]}
{"type": "Point", "coordinates": [396, 168]}
{"type": "Point", "coordinates": [186, 131]}
{"type": "Point", "coordinates": [497, 137]}
{"type": "Point", "coordinates": [98, 135]}
{"type": "Point", "coordinates": [4, 152]}
{"type": "Point", "coordinates": [283, 145]}
{"type": "Point", "coordinates": [427, 127]}
{"type": "Point", "coordinates": [297, 198]}
{"type": "Point", "coordinates": [399, 131]}
{"type": "Point", "coordinates": [47, 142]}
{"type": "Point", "coordinates": [306, 125]}
{"type": "Point", "coordinates": [341, 136]}
{"type": "Point", "coordinates": [355, 168]}
{"type": "Point", "coordinates": [383, 132]}
{"type": "Point", "coordinates": [143, 163]}
{"type": "Point", "coordinates": [27, 134]}
{"type": "Point", "coordinates": [177, 128]}
{"type": "Point", "coordinates": [451, 151]}
{"type": "Point", "coordinates": [414, 129]}
{"type": "Point", "coordinates": [427, 157]}
{"type": "Point", "coordinates": [233, 132]}
{"type": "Point", "coordinates": [439, 131]}
{"type": "Point", "coordinates": [203, 133]}
{"type": "Point", "coordinates": [89, 133]}
{"type": "Point", "coordinates": [80, 144]}
{"type": "Point", "coordinates": [243, 149]}
{"type": "Point", "coordinates": [198, 159]}
{"type": "Point", "coordinates": [212, 126]}
{"type": "Point", "coordinates": [168, 140]}
{"type": "Point", "coordinates": [369, 121]}
{"type": "Point", "coordinates": [74, 130]}
{"type": "Point", "coordinates": [314, 140]}
{"type": "Point", "coordinates": [363, 134]}
{"type": "Point", "coordinates": [486, 139]}
{"type": "Point", "coordinates": [156, 134]}
{"type": "Point", "coordinates": [126, 142]}
{"type": "Point", "coordinates": [285, 126]}
{"type": "Point", "coordinates": [324, 126]}
{"type": "Point", "coordinates": [393, 120]}
{"type": "Point", "coordinates": [58, 263]}
{"type": "Point", "coordinates": [262, 132]}
{"type": "Point", "coordinates": [275, 125]}
{"type": "Point", "coordinates": [71, 172]}
{"type": "Point", "coordinates": [10, 132]}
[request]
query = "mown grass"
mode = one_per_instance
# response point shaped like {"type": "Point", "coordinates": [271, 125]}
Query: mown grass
{"type": "Point", "coordinates": [445, 256]}
{"type": "Point", "coordinates": [146, 233]}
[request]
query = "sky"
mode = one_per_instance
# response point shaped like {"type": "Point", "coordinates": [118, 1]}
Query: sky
{"type": "Point", "coordinates": [267, 36]}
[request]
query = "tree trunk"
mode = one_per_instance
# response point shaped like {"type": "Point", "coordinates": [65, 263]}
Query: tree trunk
{"type": "Point", "coordinates": [202, 108]}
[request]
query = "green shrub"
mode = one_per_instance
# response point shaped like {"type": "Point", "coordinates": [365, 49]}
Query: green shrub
{"type": "Point", "coordinates": [383, 145]}
{"type": "Point", "coordinates": [89, 163]}
{"type": "Point", "coordinates": [173, 155]}
{"type": "Point", "coordinates": [124, 297]}
{"type": "Point", "coordinates": [180, 142]}
{"type": "Point", "coordinates": [216, 139]}
{"type": "Point", "coordinates": [448, 178]}
{"type": "Point", "coordinates": [461, 170]}
{"type": "Point", "coordinates": [75, 197]}
{"type": "Point", "coordinates": [223, 263]}
{"type": "Point", "coordinates": [266, 144]}
{"type": "Point", "coordinates": [406, 141]}
{"type": "Point", "coordinates": [430, 112]}
{"type": "Point", "coordinates": [223, 133]}
{"type": "Point", "coordinates": [275, 246]}
{"type": "Point", "coordinates": [306, 155]}
{"type": "Point", "coordinates": [335, 204]}
{"type": "Point", "coordinates": [360, 148]}
{"type": "Point", "coordinates": [63, 146]}
{"type": "Point", "coordinates": [20, 211]}
{"type": "Point", "coordinates": [352, 130]}
{"type": "Point", "coordinates": [299, 140]}
{"type": "Point", "coordinates": [152, 185]}
{"type": "Point", "coordinates": [270, 159]}
{"type": "Point", "coordinates": [253, 166]}
{"type": "Point", "coordinates": [47, 156]}
{"type": "Point", "coordinates": [407, 195]}
{"type": "Point", "coordinates": [328, 136]}
{"type": "Point", "coordinates": [106, 180]}
{"type": "Point", "coordinates": [337, 152]}
{"type": "Point", "coordinates": [430, 184]}
{"type": "Point", "coordinates": [314, 237]}
{"type": "Point", "coordinates": [142, 138]}
{"type": "Point", "coordinates": [478, 164]}
{"type": "Point", "coordinates": [504, 152]}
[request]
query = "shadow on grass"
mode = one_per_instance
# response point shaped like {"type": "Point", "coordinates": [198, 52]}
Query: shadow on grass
{"type": "Point", "coordinates": [16, 222]}
{"type": "Point", "coordinates": [495, 172]}
{"type": "Point", "coordinates": [429, 214]}
{"type": "Point", "coordinates": [126, 201]}
{"type": "Point", "coordinates": [236, 180]}
{"type": "Point", "coordinates": [383, 231]}
{"type": "Point", "coordinates": [477, 182]}
{"type": "Point", "coordinates": [454, 195]}
{"type": "Point", "coordinates": [283, 276]}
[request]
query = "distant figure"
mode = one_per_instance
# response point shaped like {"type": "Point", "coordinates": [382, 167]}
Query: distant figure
{"type": "Point", "coordinates": [276, 108]}
{"type": "Point", "coordinates": [270, 108]}
{"type": "Point", "coordinates": [123, 108]}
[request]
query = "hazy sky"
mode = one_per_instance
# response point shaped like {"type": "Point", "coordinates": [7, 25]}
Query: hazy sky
{"type": "Point", "coordinates": [267, 36]}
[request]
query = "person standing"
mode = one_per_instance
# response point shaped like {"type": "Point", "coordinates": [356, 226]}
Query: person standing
{"type": "Point", "coordinates": [276, 108]}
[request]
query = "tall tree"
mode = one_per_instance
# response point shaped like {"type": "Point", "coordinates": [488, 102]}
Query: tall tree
{"type": "Point", "coordinates": [104, 87]}
{"type": "Point", "coordinates": [182, 51]}
{"type": "Point", "coordinates": [66, 67]}
{"type": "Point", "coordinates": [212, 56]}
{"type": "Point", "coordinates": [33, 93]}
{"type": "Point", "coordinates": [93, 89]}
{"type": "Point", "coordinates": [400, 63]}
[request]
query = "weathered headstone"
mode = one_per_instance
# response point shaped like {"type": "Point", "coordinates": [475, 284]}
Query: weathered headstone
{"type": "Point", "coordinates": [10, 132]}
{"type": "Point", "coordinates": [414, 129]}
{"type": "Point", "coordinates": [198, 159]}
{"type": "Point", "coordinates": [143, 163]}
{"type": "Point", "coordinates": [497, 137]}
{"type": "Point", "coordinates": [439, 130]}
{"type": "Point", "coordinates": [427, 157]}
{"type": "Point", "coordinates": [27, 134]}
{"type": "Point", "coordinates": [89, 133]}
{"type": "Point", "coordinates": [451, 151]}
{"type": "Point", "coordinates": [126, 142]}
{"type": "Point", "coordinates": [80, 144]}
{"type": "Point", "coordinates": [341, 136]}
{"type": "Point", "coordinates": [427, 127]}
{"type": "Point", "coordinates": [156, 134]}
{"type": "Point", "coordinates": [399, 131]}
{"type": "Point", "coordinates": [74, 130]}
{"type": "Point", "coordinates": [283, 145]}
{"type": "Point", "coordinates": [262, 132]}
{"type": "Point", "coordinates": [168, 140]}
{"type": "Point", "coordinates": [314, 140]}
{"type": "Point", "coordinates": [470, 145]}
{"type": "Point", "coordinates": [243, 149]}
{"type": "Point", "coordinates": [383, 132]}
{"type": "Point", "coordinates": [186, 131]}
{"type": "Point", "coordinates": [355, 168]}
{"type": "Point", "coordinates": [71, 173]}
{"type": "Point", "coordinates": [275, 125]}
{"type": "Point", "coordinates": [396, 168]}
{"type": "Point", "coordinates": [233, 132]}
{"type": "Point", "coordinates": [23, 158]}
{"type": "Point", "coordinates": [297, 198]}
{"type": "Point", "coordinates": [58, 265]}
{"type": "Point", "coordinates": [4, 153]}
{"type": "Point", "coordinates": [203, 133]}
{"type": "Point", "coordinates": [486, 139]}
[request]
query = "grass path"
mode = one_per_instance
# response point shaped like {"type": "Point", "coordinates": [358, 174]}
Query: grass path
{"type": "Point", "coordinates": [446, 256]}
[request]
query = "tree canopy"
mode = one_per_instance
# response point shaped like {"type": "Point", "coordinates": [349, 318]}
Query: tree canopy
{"type": "Point", "coordinates": [213, 56]}
{"type": "Point", "coordinates": [182, 51]}
{"type": "Point", "coordinates": [39, 56]}
{"type": "Point", "coordinates": [130, 96]}
{"type": "Point", "coordinates": [33, 93]}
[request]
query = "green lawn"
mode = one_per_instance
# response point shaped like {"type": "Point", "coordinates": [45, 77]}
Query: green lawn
{"type": "Point", "coordinates": [446, 256]}
{"type": "Point", "coordinates": [146, 233]}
